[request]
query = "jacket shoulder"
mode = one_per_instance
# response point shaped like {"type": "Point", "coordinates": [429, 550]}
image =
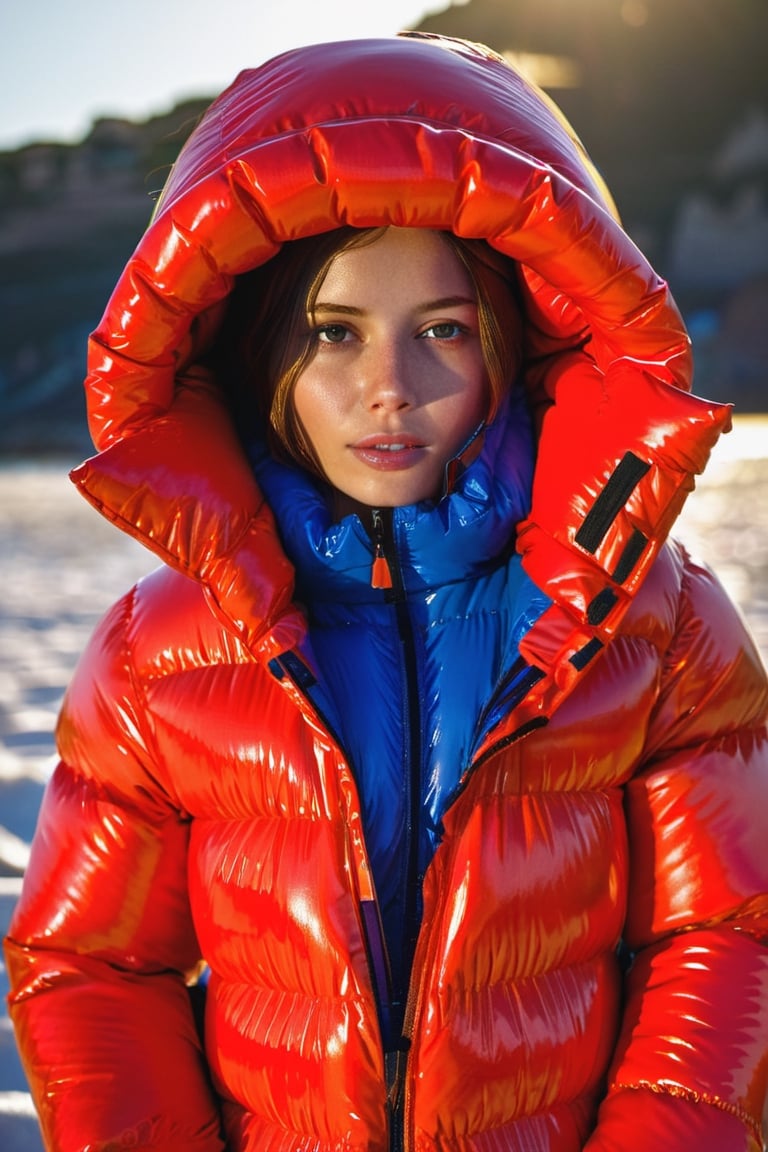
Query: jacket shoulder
{"type": "Point", "coordinates": [170, 626]}
{"type": "Point", "coordinates": [712, 679]}
{"type": "Point", "coordinates": [162, 627]}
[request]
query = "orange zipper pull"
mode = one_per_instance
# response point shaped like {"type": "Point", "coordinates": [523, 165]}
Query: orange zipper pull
{"type": "Point", "coordinates": [381, 576]}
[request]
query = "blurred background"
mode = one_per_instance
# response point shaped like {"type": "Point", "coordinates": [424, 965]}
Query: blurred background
{"type": "Point", "coordinates": [670, 97]}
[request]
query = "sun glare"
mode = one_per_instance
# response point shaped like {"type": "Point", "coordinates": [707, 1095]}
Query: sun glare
{"type": "Point", "coordinates": [635, 13]}
{"type": "Point", "coordinates": [547, 71]}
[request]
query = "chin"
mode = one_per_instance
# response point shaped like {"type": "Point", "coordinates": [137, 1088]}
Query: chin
{"type": "Point", "coordinates": [390, 499]}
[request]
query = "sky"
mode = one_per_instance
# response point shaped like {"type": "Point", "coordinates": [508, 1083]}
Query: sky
{"type": "Point", "coordinates": [65, 62]}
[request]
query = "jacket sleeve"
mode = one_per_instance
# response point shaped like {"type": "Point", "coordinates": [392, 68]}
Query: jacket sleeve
{"type": "Point", "coordinates": [101, 943]}
{"type": "Point", "coordinates": [691, 1065]}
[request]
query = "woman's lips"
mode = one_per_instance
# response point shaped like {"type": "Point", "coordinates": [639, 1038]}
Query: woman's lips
{"type": "Point", "coordinates": [388, 452]}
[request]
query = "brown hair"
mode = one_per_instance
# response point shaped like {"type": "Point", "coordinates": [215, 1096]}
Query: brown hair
{"type": "Point", "coordinates": [271, 308]}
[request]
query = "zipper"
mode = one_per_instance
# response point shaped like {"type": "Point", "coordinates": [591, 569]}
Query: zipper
{"type": "Point", "coordinates": [411, 712]}
{"type": "Point", "coordinates": [290, 669]}
{"type": "Point", "coordinates": [521, 678]}
{"type": "Point", "coordinates": [298, 680]}
{"type": "Point", "coordinates": [397, 1019]}
{"type": "Point", "coordinates": [387, 569]}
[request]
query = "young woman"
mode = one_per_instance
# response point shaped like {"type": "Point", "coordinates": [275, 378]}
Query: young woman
{"type": "Point", "coordinates": [425, 742]}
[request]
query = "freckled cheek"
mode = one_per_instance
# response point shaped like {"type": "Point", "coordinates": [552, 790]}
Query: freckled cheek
{"type": "Point", "coordinates": [319, 407]}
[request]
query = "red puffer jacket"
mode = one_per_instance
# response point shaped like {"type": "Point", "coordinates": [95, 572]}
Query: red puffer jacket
{"type": "Point", "coordinates": [201, 809]}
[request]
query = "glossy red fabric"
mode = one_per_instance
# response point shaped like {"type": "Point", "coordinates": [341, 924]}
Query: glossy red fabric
{"type": "Point", "coordinates": [200, 809]}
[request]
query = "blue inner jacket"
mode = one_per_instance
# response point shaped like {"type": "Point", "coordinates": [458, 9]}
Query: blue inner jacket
{"type": "Point", "coordinates": [407, 678]}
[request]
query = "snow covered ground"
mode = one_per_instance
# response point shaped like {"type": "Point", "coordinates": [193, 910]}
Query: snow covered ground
{"type": "Point", "coordinates": [61, 566]}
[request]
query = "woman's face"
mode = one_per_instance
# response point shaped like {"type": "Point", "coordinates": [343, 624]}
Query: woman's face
{"type": "Point", "coordinates": [397, 382]}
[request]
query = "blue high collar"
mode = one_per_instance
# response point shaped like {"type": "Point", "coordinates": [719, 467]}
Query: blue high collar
{"type": "Point", "coordinates": [460, 536]}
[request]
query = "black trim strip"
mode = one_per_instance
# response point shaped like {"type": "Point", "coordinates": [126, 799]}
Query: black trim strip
{"type": "Point", "coordinates": [581, 658]}
{"type": "Point", "coordinates": [518, 734]}
{"type": "Point", "coordinates": [633, 550]}
{"type": "Point", "coordinates": [619, 487]}
{"type": "Point", "coordinates": [600, 605]}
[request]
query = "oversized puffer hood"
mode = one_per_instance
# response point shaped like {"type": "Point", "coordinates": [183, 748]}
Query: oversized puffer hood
{"type": "Point", "coordinates": [421, 132]}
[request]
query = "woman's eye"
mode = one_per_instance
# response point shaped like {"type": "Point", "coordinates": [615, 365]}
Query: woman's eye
{"type": "Point", "coordinates": [332, 333]}
{"type": "Point", "coordinates": [448, 330]}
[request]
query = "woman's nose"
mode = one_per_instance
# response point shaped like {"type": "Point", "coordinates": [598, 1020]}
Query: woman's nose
{"type": "Point", "coordinates": [387, 383]}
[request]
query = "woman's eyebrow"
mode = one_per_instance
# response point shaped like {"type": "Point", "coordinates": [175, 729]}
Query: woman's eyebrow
{"type": "Point", "coordinates": [346, 309]}
{"type": "Point", "coordinates": [427, 306]}
{"type": "Point", "coordinates": [448, 302]}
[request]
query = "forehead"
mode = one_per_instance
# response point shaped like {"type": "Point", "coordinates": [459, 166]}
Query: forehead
{"type": "Point", "coordinates": [406, 262]}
